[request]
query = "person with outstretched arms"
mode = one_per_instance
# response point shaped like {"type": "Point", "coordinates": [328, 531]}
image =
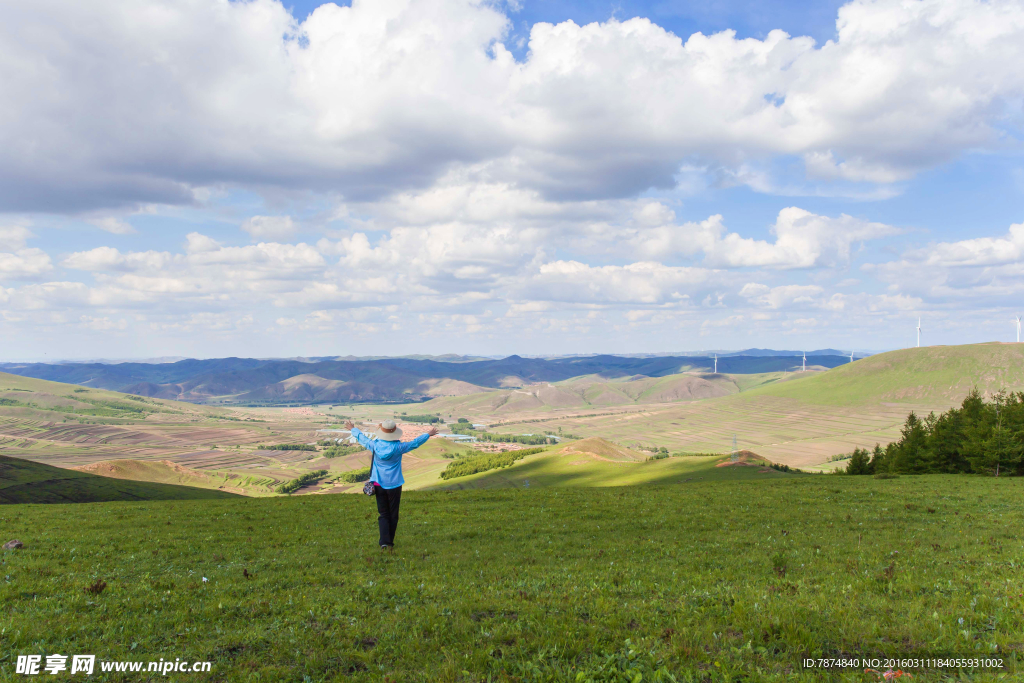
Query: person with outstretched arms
{"type": "Point", "coordinates": [386, 450]}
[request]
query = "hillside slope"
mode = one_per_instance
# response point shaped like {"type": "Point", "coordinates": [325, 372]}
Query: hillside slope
{"type": "Point", "coordinates": [24, 481]}
{"type": "Point", "coordinates": [933, 375]}
{"type": "Point", "coordinates": [158, 472]}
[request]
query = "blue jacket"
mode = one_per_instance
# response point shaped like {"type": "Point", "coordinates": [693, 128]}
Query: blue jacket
{"type": "Point", "coordinates": [387, 457]}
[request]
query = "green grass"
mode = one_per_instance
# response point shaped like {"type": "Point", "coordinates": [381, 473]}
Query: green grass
{"type": "Point", "coordinates": [24, 481]}
{"type": "Point", "coordinates": [576, 470]}
{"type": "Point", "coordinates": [711, 581]}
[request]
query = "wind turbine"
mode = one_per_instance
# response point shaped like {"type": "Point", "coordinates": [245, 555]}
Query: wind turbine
{"type": "Point", "coordinates": [1018, 328]}
{"type": "Point", "coordinates": [716, 355]}
{"type": "Point", "coordinates": [851, 356]}
{"type": "Point", "coordinates": [803, 368]}
{"type": "Point", "coordinates": [918, 333]}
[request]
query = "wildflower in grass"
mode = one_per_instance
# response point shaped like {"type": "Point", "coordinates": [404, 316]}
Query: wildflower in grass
{"type": "Point", "coordinates": [205, 579]}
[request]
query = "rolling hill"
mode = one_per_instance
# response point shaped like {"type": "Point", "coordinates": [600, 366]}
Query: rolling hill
{"type": "Point", "coordinates": [24, 481]}
{"type": "Point", "coordinates": [801, 420]}
{"type": "Point", "coordinates": [252, 381]}
{"type": "Point", "coordinates": [596, 392]}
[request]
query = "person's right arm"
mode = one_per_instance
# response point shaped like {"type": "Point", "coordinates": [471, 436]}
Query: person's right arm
{"type": "Point", "coordinates": [418, 441]}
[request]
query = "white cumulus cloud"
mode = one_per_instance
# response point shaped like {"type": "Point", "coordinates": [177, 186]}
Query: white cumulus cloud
{"type": "Point", "coordinates": [803, 240]}
{"type": "Point", "coordinates": [24, 263]}
{"type": "Point", "coordinates": [979, 251]}
{"type": "Point", "coordinates": [110, 103]}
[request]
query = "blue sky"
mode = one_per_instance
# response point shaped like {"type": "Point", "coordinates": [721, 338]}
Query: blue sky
{"type": "Point", "coordinates": [750, 19]}
{"type": "Point", "coordinates": [251, 178]}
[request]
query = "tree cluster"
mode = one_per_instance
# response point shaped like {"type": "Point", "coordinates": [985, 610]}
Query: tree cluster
{"type": "Point", "coordinates": [339, 450]}
{"type": "Point", "coordinates": [484, 462]}
{"type": "Point", "coordinates": [296, 484]}
{"type": "Point", "coordinates": [423, 419]}
{"type": "Point", "coordinates": [355, 476]}
{"type": "Point", "coordinates": [979, 437]}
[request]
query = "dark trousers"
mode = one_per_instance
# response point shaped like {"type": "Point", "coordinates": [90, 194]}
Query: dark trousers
{"type": "Point", "coordinates": [388, 501]}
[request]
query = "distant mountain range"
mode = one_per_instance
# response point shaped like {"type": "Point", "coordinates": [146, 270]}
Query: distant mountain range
{"type": "Point", "coordinates": [251, 380]}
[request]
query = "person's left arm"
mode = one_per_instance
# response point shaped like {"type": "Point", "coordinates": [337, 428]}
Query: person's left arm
{"type": "Point", "coordinates": [418, 441]}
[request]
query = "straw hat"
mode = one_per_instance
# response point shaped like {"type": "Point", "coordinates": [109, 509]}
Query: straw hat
{"type": "Point", "coordinates": [393, 433]}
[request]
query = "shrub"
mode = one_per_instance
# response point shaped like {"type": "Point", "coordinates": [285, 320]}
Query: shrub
{"type": "Point", "coordinates": [287, 447]}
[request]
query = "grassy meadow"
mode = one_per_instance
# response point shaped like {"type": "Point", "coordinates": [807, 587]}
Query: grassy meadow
{"type": "Point", "coordinates": [700, 581]}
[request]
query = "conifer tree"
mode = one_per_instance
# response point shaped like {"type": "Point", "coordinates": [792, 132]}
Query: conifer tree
{"type": "Point", "coordinates": [911, 451]}
{"type": "Point", "coordinates": [858, 463]}
{"type": "Point", "coordinates": [1001, 453]}
{"type": "Point", "coordinates": [877, 461]}
{"type": "Point", "coordinates": [946, 443]}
